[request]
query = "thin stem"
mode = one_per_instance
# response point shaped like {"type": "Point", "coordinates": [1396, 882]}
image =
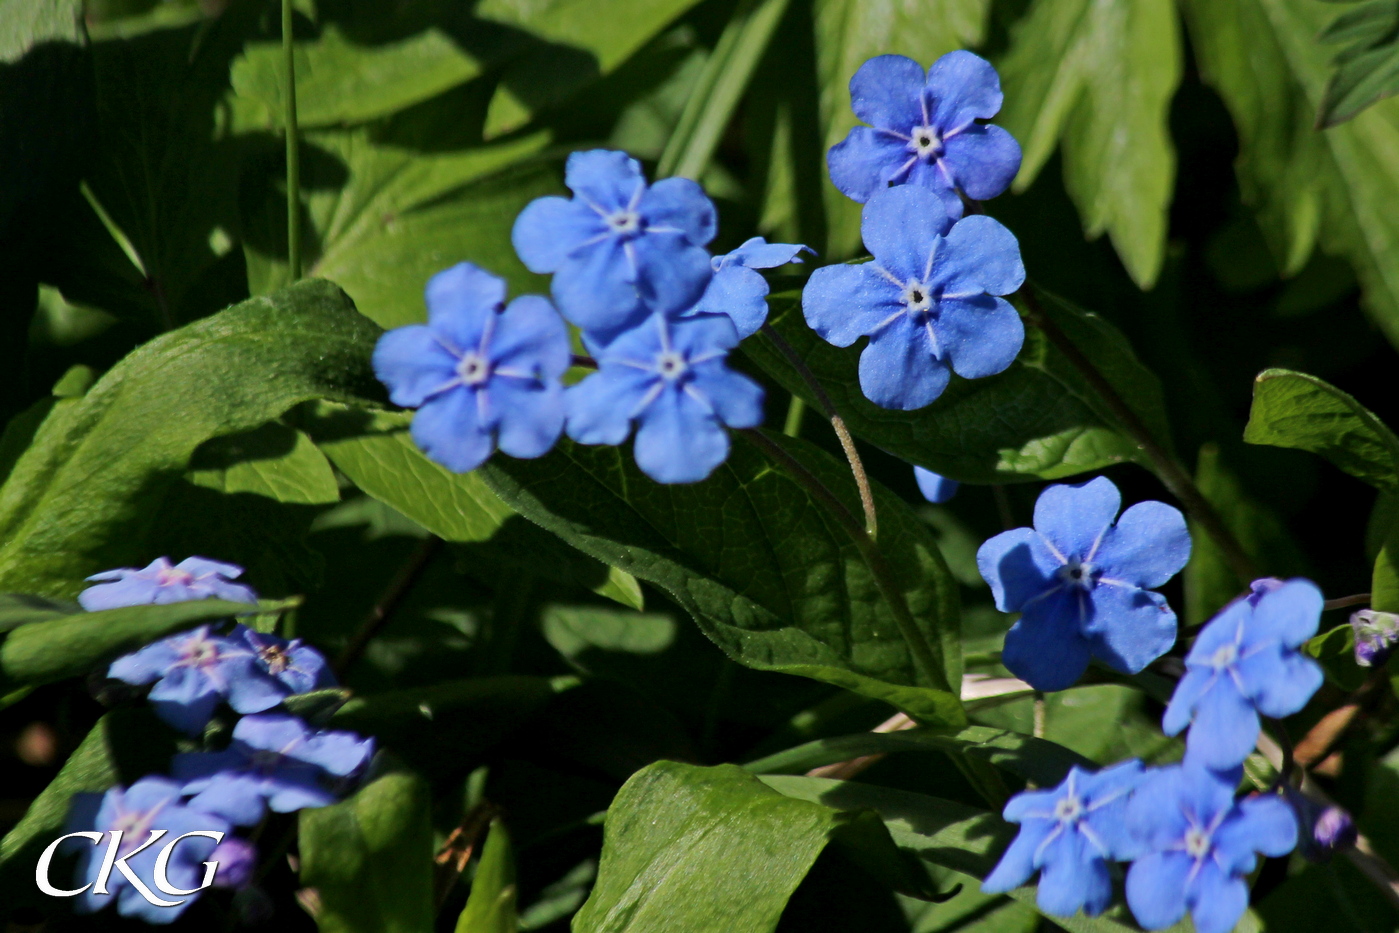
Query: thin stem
{"type": "Point", "coordinates": [792, 427]}
{"type": "Point", "coordinates": [1341, 602]}
{"type": "Point", "coordinates": [1003, 510]}
{"type": "Point", "coordinates": [1041, 715]}
{"type": "Point", "coordinates": [847, 443]}
{"type": "Point", "coordinates": [293, 148]}
{"type": "Point", "coordinates": [387, 605]}
{"type": "Point", "coordinates": [923, 655]}
{"type": "Point", "coordinates": [587, 362]}
{"type": "Point", "coordinates": [1171, 473]}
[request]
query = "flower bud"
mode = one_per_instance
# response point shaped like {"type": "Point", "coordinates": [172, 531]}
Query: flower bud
{"type": "Point", "coordinates": [237, 859]}
{"type": "Point", "coordinates": [1376, 634]}
{"type": "Point", "coordinates": [1324, 828]}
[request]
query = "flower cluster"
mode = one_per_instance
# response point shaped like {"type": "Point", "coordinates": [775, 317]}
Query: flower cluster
{"type": "Point", "coordinates": [274, 761]}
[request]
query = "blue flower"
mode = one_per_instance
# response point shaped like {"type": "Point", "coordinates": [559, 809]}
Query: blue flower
{"type": "Point", "coordinates": [193, 671]}
{"type": "Point", "coordinates": [669, 377]}
{"type": "Point", "coordinates": [480, 374]}
{"type": "Point", "coordinates": [151, 803]}
{"type": "Point", "coordinates": [1068, 834]}
{"type": "Point", "coordinates": [923, 130]}
{"type": "Point", "coordinates": [1195, 845]}
{"type": "Point", "coordinates": [275, 761]}
{"type": "Point", "coordinates": [1083, 585]}
{"type": "Point", "coordinates": [1244, 663]}
{"type": "Point", "coordinates": [936, 489]}
{"type": "Point", "coordinates": [299, 667]}
{"type": "Point", "coordinates": [162, 582]}
{"type": "Point", "coordinates": [618, 249]}
{"type": "Point", "coordinates": [740, 292]}
{"type": "Point", "coordinates": [926, 301]}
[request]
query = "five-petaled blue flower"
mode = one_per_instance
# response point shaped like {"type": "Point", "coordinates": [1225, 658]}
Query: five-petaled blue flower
{"type": "Point", "coordinates": [275, 761]}
{"type": "Point", "coordinates": [151, 803]}
{"type": "Point", "coordinates": [1068, 834]}
{"type": "Point", "coordinates": [1195, 845]}
{"type": "Point", "coordinates": [741, 292]}
{"type": "Point", "coordinates": [162, 582]}
{"type": "Point", "coordinates": [1083, 585]}
{"type": "Point", "coordinates": [669, 377]}
{"type": "Point", "coordinates": [926, 302]}
{"type": "Point", "coordinates": [935, 487]}
{"type": "Point", "coordinates": [193, 671]}
{"type": "Point", "coordinates": [618, 250]}
{"type": "Point", "coordinates": [1246, 662]}
{"type": "Point", "coordinates": [299, 667]}
{"type": "Point", "coordinates": [480, 374]}
{"type": "Point", "coordinates": [923, 131]}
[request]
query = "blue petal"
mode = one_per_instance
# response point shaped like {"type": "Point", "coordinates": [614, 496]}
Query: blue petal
{"type": "Point", "coordinates": [1107, 794]}
{"type": "Point", "coordinates": [338, 753]}
{"type": "Point", "coordinates": [252, 690]}
{"type": "Point", "coordinates": [898, 369]}
{"type": "Point", "coordinates": [936, 489]}
{"type": "Point", "coordinates": [414, 366]}
{"type": "Point", "coordinates": [1149, 544]}
{"type": "Point", "coordinates": [1206, 793]}
{"type": "Point", "coordinates": [678, 442]}
{"type": "Point", "coordinates": [672, 276]}
{"type": "Point", "coordinates": [1189, 690]}
{"type": "Point", "coordinates": [902, 228]}
{"type": "Point", "coordinates": [980, 336]}
{"type": "Point", "coordinates": [188, 715]}
{"type": "Point", "coordinates": [237, 797]}
{"type": "Point", "coordinates": [1154, 818]}
{"type": "Point", "coordinates": [1289, 613]}
{"type": "Point", "coordinates": [460, 302]}
{"type": "Point", "coordinates": [982, 159]}
{"type": "Point", "coordinates": [216, 588]}
{"type": "Point", "coordinates": [1280, 681]}
{"type": "Point", "coordinates": [1156, 888]}
{"type": "Point", "coordinates": [288, 796]}
{"type": "Point", "coordinates": [843, 303]}
{"type": "Point", "coordinates": [1017, 863]}
{"type": "Point", "coordinates": [531, 416]}
{"type": "Point", "coordinates": [740, 294]}
{"type": "Point", "coordinates": [1129, 627]}
{"type": "Point", "coordinates": [1261, 824]}
{"type": "Point", "coordinates": [132, 591]}
{"type": "Point", "coordinates": [1072, 879]}
{"type": "Point", "coordinates": [964, 88]}
{"type": "Point", "coordinates": [606, 178]}
{"type": "Point", "coordinates": [1225, 728]}
{"type": "Point", "coordinates": [1226, 628]}
{"type": "Point", "coordinates": [980, 255]}
{"type": "Point", "coordinates": [736, 399]}
{"type": "Point", "coordinates": [1217, 900]}
{"type": "Point", "coordinates": [698, 335]}
{"type": "Point", "coordinates": [272, 732]}
{"type": "Point", "coordinates": [682, 204]}
{"type": "Point", "coordinates": [886, 92]}
{"type": "Point", "coordinates": [1074, 517]}
{"type": "Point", "coordinates": [596, 289]}
{"type": "Point", "coordinates": [447, 429]}
{"type": "Point", "coordinates": [1030, 806]}
{"type": "Point", "coordinates": [758, 253]}
{"type": "Point", "coordinates": [1017, 566]}
{"type": "Point", "coordinates": [1045, 648]}
{"type": "Point", "coordinates": [864, 161]}
{"type": "Point", "coordinates": [530, 337]}
{"type": "Point", "coordinates": [204, 567]}
{"type": "Point", "coordinates": [196, 769]}
{"type": "Point", "coordinates": [601, 407]}
{"type": "Point", "coordinates": [145, 666]}
{"type": "Point", "coordinates": [551, 228]}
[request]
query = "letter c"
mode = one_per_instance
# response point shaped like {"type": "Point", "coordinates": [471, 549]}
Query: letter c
{"type": "Point", "coordinates": [41, 871]}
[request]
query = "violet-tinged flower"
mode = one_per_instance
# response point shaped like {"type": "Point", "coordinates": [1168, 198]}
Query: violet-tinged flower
{"type": "Point", "coordinates": [739, 291]}
{"type": "Point", "coordinates": [1323, 828]}
{"type": "Point", "coordinates": [923, 130]}
{"type": "Point", "coordinates": [151, 803]}
{"type": "Point", "coordinates": [1083, 584]}
{"type": "Point", "coordinates": [1194, 845]}
{"type": "Point", "coordinates": [482, 375]}
{"type": "Point", "coordinates": [295, 664]}
{"type": "Point", "coordinates": [935, 488]}
{"type": "Point", "coordinates": [1376, 634]}
{"type": "Point", "coordinates": [668, 377]}
{"type": "Point", "coordinates": [1246, 662]}
{"type": "Point", "coordinates": [162, 582]}
{"type": "Point", "coordinates": [237, 861]}
{"type": "Point", "coordinates": [193, 671]}
{"type": "Point", "coordinates": [274, 761]}
{"type": "Point", "coordinates": [618, 250]}
{"type": "Point", "coordinates": [1068, 834]}
{"type": "Point", "coordinates": [927, 302]}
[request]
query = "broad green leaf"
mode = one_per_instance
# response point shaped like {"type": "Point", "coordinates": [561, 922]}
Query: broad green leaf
{"type": "Point", "coordinates": [764, 569]}
{"type": "Point", "coordinates": [75, 502]}
{"type": "Point", "coordinates": [1384, 578]}
{"type": "Point", "coordinates": [24, 25]}
{"type": "Point", "coordinates": [370, 858]}
{"type": "Point", "coordinates": [17, 609]}
{"type": "Point", "coordinates": [273, 460]}
{"type": "Point", "coordinates": [1367, 69]}
{"type": "Point", "coordinates": [1100, 77]}
{"type": "Point", "coordinates": [491, 905]}
{"type": "Point", "coordinates": [1036, 420]}
{"type": "Point", "coordinates": [850, 32]}
{"type": "Point", "coordinates": [1336, 187]}
{"type": "Point", "coordinates": [1292, 409]}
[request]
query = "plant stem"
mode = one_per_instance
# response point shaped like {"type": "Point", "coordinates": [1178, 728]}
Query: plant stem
{"type": "Point", "coordinates": [387, 605]}
{"type": "Point", "coordinates": [1341, 602]}
{"type": "Point", "coordinates": [293, 147]}
{"type": "Point", "coordinates": [1171, 473]}
{"type": "Point", "coordinates": [847, 443]}
{"type": "Point", "coordinates": [923, 655]}
{"type": "Point", "coordinates": [792, 427]}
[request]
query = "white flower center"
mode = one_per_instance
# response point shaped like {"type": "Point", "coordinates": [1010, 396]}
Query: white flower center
{"type": "Point", "coordinates": [916, 297]}
{"type": "Point", "coordinates": [624, 223]}
{"type": "Point", "coordinates": [1068, 809]}
{"type": "Point", "coordinates": [1224, 657]}
{"type": "Point", "coordinates": [474, 369]}
{"type": "Point", "coordinates": [1197, 843]}
{"type": "Point", "coordinates": [199, 652]}
{"type": "Point", "coordinates": [173, 575]}
{"type": "Point", "coordinates": [1077, 573]}
{"type": "Point", "coordinates": [671, 365]}
{"type": "Point", "coordinates": [926, 142]}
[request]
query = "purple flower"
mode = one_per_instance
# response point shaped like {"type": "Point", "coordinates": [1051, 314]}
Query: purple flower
{"type": "Point", "coordinates": [237, 861]}
{"type": "Point", "coordinates": [923, 131]}
{"type": "Point", "coordinates": [935, 488]}
{"type": "Point", "coordinates": [668, 377]}
{"type": "Point", "coordinates": [1083, 584]}
{"type": "Point", "coordinates": [740, 292]}
{"type": "Point", "coordinates": [299, 667]}
{"type": "Point", "coordinates": [480, 374]}
{"type": "Point", "coordinates": [150, 804]}
{"type": "Point", "coordinates": [1068, 834]}
{"type": "Point", "coordinates": [1246, 662]}
{"type": "Point", "coordinates": [927, 301]}
{"type": "Point", "coordinates": [163, 582]}
{"type": "Point", "coordinates": [1194, 845]}
{"type": "Point", "coordinates": [618, 250]}
{"type": "Point", "coordinates": [274, 761]}
{"type": "Point", "coordinates": [193, 671]}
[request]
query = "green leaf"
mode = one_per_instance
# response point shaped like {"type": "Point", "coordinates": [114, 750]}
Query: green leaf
{"type": "Point", "coordinates": [17, 609]}
{"type": "Point", "coordinates": [765, 571]}
{"type": "Point", "coordinates": [491, 906]}
{"type": "Point", "coordinates": [1036, 420]}
{"type": "Point", "coordinates": [1100, 77]}
{"type": "Point", "coordinates": [24, 25]}
{"type": "Point", "coordinates": [850, 32]}
{"type": "Point", "coordinates": [75, 502]}
{"type": "Point", "coordinates": [1292, 409]}
{"type": "Point", "coordinates": [273, 460]}
{"type": "Point", "coordinates": [1384, 578]}
{"type": "Point", "coordinates": [370, 858]}
{"type": "Point", "coordinates": [1367, 69]}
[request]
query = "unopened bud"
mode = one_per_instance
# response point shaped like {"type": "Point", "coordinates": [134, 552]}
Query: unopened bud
{"type": "Point", "coordinates": [1376, 634]}
{"type": "Point", "coordinates": [237, 860]}
{"type": "Point", "coordinates": [1334, 829]}
{"type": "Point", "coordinates": [1323, 828]}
